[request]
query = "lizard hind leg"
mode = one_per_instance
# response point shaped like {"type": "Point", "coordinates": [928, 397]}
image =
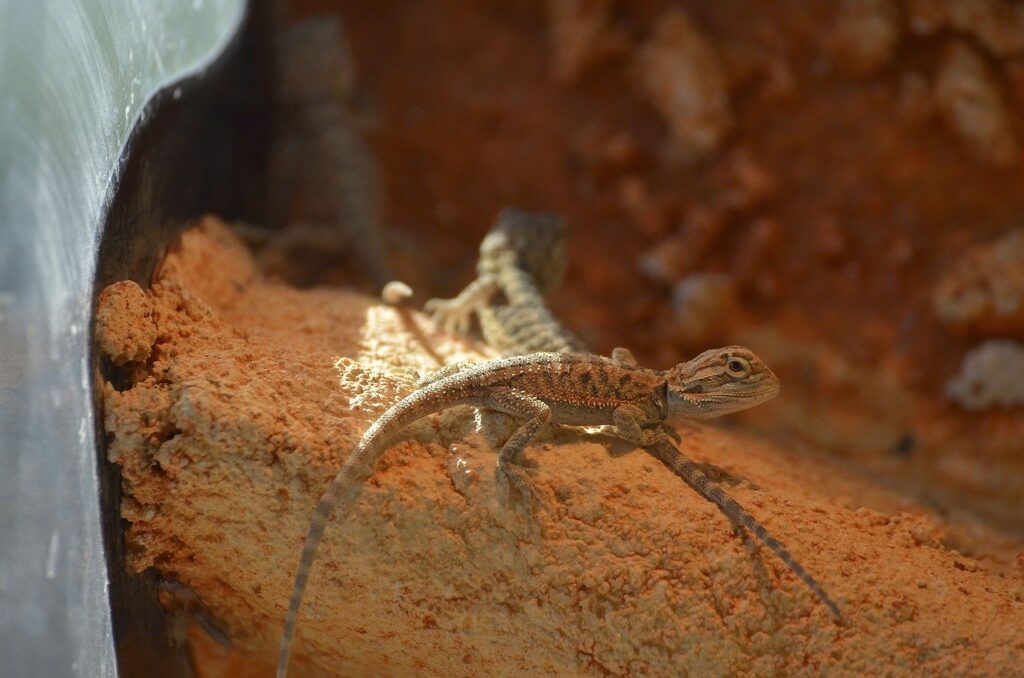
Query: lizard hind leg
{"type": "Point", "coordinates": [537, 414]}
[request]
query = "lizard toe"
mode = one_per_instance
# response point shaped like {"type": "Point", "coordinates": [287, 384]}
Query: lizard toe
{"type": "Point", "coordinates": [671, 433]}
{"type": "Point", "coordinates": [515, 485]}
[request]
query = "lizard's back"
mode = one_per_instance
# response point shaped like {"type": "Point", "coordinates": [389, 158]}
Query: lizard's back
{"type": "Point", "coordinates": [581, 388]}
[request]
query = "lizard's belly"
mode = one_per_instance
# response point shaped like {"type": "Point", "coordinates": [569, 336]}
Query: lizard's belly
{"type": "Point", "coordinates": [577, 415]}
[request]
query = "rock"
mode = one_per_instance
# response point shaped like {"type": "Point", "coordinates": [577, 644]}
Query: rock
{"type": "Point", "coordinates": [968, 97]}
{"type": "Point", "coordinates": [603, 153]}
{"type": "Point", "coordinates": [984, 292]}
{"type": "Point", "coordinates": [742, 183]}
{"type": "Point", "coordinates": [865, 36]}
{"type": "Point", "coordinates": [684, 79]}
{"type": "Point", "coordinates": [683, 251]}
{"type": "Point", "coordinates": [901, 252]}
{"type": "Point", "coordinates": [647, 214]}
{"type": "Point", "coordinates": [830, 240]}
{"type": "Point", "coordinates": [998, 25]}
{"type": "Point", "coordinates": [992, 375]}
{"type": "Point", "coordinates": [124, 323]}
{"type": "Point", "coordinates": [703, 305]}
{"type": "Point", "coordinates": [582, 36]}
{"type": "Point", "coordinates": [754, 249]}
{"type": "Point", "coordinates": [915, 98]}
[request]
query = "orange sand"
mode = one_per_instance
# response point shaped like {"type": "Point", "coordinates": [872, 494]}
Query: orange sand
{"type": "Point", "coordinates": [242, 396]}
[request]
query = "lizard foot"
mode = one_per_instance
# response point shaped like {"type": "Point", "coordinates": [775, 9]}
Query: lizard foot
{"type": "Point", "coordinates": [451, 315]}
{"type": "Point", "coordinates": [515, 486]}
{"type": "Point", "coordinates": [720, 475]}
{"type": "Point", "coordinates": [671, 433]}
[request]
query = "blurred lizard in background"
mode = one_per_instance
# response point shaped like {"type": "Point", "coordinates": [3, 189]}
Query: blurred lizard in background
{"type": "Point", "coordinates": [325, 185]}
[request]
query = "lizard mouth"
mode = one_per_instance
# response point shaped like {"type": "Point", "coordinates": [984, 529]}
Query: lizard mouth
{"type": "Point", "coordinates": [765, 393]}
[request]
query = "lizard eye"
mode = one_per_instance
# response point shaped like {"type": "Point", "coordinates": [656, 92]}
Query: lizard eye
{"type": "Point", "coordinates": [737, 367]}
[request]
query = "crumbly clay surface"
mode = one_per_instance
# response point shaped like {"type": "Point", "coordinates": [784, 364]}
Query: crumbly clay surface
{"type": "Point", "coordinates": [239, 397]}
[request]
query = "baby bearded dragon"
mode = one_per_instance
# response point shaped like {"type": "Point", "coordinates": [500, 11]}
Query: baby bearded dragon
{"type": "Point", "coordinates": [561, 388]}
{"type": "Point", "coordinates": [523, 258]}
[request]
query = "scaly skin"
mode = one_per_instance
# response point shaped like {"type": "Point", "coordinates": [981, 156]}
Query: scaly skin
{"type": "Point", "coordinates": [543, 388]}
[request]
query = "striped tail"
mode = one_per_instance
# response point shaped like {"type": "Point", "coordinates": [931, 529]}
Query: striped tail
{"type": "Point", "coordinates": [695, 478]}
{"type": "Point", "coordinates": [346, 485]}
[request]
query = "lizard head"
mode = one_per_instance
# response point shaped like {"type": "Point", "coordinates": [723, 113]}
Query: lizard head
{"type": "Point", "coordinates": [718, 382]}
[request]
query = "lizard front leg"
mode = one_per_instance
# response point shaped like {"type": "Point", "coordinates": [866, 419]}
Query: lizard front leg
{"type": "Point", "coordinates": [537, 414]}
{"type": "Point", "coordinates": [454, 314]}
{"type": "Point", "coordinates": [630, 424]}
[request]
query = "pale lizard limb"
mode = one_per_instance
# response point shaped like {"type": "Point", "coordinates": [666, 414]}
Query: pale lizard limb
{"type": "Point", "coordinates": [455, 315]}
{"type": "Point", "coordinates": [563, 388]}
